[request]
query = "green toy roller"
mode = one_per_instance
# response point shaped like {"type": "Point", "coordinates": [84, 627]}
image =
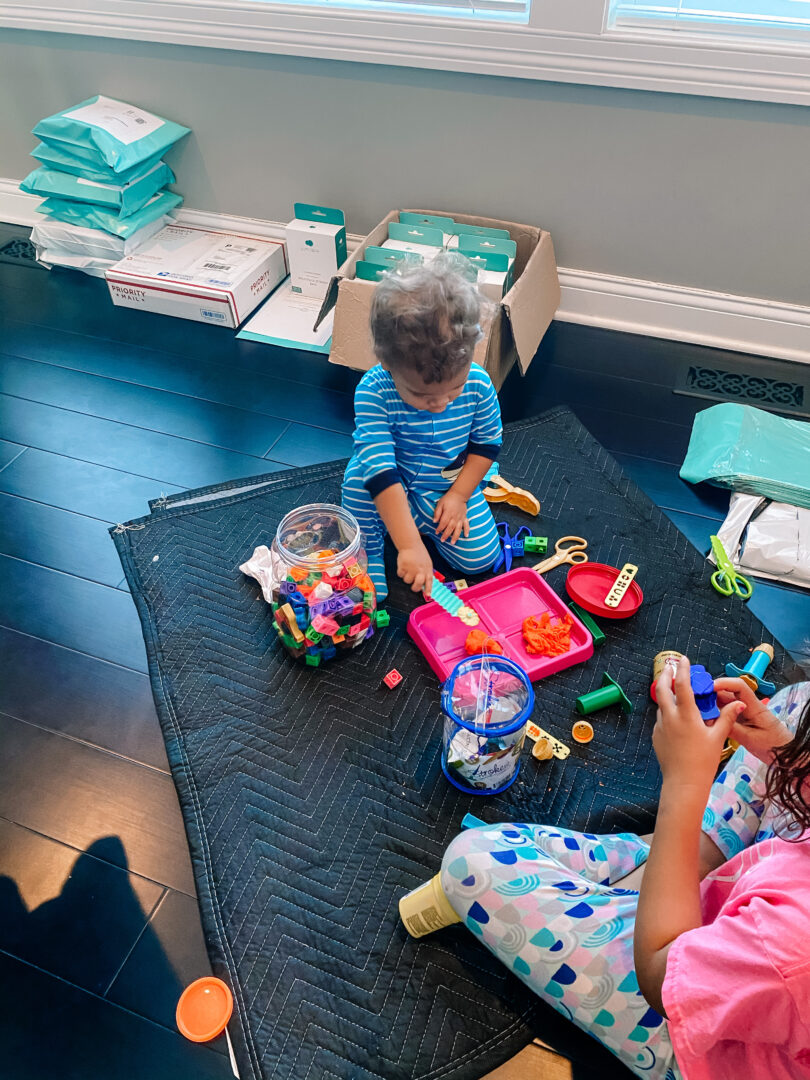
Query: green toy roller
{"type": "Point", "coordinates": [609, 693]}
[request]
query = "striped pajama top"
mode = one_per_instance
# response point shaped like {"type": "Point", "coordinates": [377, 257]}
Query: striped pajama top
{"type": "Point", "coordinates": [397, 443]}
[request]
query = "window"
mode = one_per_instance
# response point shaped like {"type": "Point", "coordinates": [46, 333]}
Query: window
{"type": "Point", "coordinates": [516, 11]}
{"type": "Point", "coordinates": [786, 17]}
{"type": "Point", "coordinates": [637, 44]}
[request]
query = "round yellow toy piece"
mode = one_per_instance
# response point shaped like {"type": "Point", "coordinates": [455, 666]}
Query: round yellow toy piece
{"type": "Point", "coordinates": [582, 731]}
{"type": "Point", "coordinates": [542, 749]}
{"type": "Point", "coordinates": [468, 616]}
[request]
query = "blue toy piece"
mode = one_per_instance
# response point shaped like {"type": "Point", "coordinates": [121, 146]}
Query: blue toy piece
{"type": "Point", "coordinates": [470, 821]}
{"type": "Point", "coordinates": [754, 670]}
{"type": "Point", "coordinates": [703, 689]}
{"type": "Point", "coordinates": [510, 545]}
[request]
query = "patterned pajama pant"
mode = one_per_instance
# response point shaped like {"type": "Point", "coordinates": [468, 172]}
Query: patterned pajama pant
{"type": "Point", "coordinates": [548, 902]}
{"type": "Point", "coordinates": [473, 554]}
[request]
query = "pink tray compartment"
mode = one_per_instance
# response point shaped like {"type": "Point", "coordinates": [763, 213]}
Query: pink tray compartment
{"type": "Point", "coordinates": [503, 603]}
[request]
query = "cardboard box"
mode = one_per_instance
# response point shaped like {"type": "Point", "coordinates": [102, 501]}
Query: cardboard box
{"type": "Point", "coordinates": [199, 274]}
{"type": "Point", "coordinates": [316, 248]}
{"type": "Point", "coordinates": [514, 332]}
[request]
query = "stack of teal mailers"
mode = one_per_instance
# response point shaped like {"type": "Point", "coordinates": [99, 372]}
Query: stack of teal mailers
{"type": "Point", "coordinates": [750, 450]}
{"type": "Point", "coordinates": [102, 168]}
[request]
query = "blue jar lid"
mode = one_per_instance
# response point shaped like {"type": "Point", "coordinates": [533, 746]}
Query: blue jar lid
{"type": "Point", "coordinates": [501, 671]}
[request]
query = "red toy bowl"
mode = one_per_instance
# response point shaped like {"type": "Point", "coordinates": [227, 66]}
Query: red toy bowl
{"type": "Point", "coordinates": [589, 583]}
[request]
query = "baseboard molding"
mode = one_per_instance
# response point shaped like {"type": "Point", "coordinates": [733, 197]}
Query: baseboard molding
{"type": "Point", "coordinates": [673, 312]}
{"type": "Point", "coordinates": [719, 320]}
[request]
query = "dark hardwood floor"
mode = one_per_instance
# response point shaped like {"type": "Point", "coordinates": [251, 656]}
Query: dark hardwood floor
{"type": "Point", "coordinates": [101, 410]}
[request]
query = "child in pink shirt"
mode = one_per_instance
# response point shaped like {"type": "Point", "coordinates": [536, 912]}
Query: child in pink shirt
{"type": "Point", "coordinates": [705, 973]}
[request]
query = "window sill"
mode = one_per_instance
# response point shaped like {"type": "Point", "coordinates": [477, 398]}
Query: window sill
{"type": "Point", "coordinates": [635, 59]}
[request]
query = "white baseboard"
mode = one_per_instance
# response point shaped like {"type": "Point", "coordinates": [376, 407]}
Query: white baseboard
{"type": "Point", "coordinates": [654, 309]}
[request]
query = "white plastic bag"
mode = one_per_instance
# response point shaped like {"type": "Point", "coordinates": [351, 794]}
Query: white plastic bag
{"type": "Point", "coordinates": [768, 539]}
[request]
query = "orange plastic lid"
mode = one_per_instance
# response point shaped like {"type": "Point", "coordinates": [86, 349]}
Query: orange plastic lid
{"type": "Point", "coordinates": [582, 731]}
{"type": "Point", "coordinates": [204, 1009]}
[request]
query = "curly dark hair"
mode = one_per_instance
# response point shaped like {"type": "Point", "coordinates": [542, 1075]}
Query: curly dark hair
{"type": "Point", "coordinates": [426, 318]}
{"type": "Point", "coordinates": [787, 782]}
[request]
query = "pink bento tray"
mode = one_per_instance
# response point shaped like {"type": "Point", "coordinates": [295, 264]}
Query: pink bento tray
{"type": "Point", "coordinates": [502, 603]}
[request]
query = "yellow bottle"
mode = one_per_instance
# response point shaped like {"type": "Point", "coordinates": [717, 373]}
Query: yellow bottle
{"type": "Point", "coordinates": [426, 909]}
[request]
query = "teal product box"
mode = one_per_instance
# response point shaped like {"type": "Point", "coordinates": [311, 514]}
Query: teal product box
{"type": "Point", "coordinates": [446, 224]}
{"type": "Point", "coordinates": [424, 240]}
{"type": "Point", "coordinates": [476, 230]}
{"type": "Point", "coordinates": [104, 131]}
{"type": "Point", "coordinates": [493, 274]}
{"type": "Point", "coordinates": [389, 256]}
{"type": "Point", "coordinates": [489, 247]}
{"type": "Point", "coordinates": [123, 199]}
{"type": "Point", "coordinates": [368, 271]}
{"type": "Point", "coordinates": [316, 248]}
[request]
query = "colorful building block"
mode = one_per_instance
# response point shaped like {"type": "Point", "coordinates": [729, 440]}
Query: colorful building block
{"type": "Point", "coordinates": [382, 618]}
{"type": "Point", "coordinates": [392, 679]}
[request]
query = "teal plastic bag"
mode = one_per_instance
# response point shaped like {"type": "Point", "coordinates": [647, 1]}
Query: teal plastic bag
{"type": "Point", "coordinates": [59, 157]}
{"type": "Point", "coordinates": [123, 199]}
{"type": "Point", "coordinates": [96, 217]}
{"type": "Point", "coordinates": [111, 132]}
{"type": "Point", "coordinates": [750, 450]}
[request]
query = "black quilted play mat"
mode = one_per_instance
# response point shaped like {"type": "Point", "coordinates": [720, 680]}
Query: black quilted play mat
{"type": "Point", "coordinates": [313, 797]}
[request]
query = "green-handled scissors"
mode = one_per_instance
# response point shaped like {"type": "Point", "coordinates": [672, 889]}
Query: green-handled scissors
{"type": "Point", "coordinates": [725, 578]}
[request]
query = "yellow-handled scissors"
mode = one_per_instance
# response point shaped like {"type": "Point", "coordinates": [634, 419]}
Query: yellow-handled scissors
{"type": "Point", "coordinates": [725, 578]}
{"type": "Point", "coordinates": [569, 549]}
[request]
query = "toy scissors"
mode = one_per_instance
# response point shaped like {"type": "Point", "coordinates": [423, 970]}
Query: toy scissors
{"type": "Point", "coordinates": [510, 545]}
{"type": "Point", "coordinates": [569, 549]}
{"type": "Point", "coordinates": [725, 579]}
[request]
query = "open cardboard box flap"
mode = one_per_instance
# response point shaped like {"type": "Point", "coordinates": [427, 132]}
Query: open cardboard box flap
{"type": "Point", "coordinates": [515, 330]}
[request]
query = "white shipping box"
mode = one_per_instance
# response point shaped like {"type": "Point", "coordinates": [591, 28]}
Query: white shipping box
{"type": "Point", "coordinates": [199, 274]}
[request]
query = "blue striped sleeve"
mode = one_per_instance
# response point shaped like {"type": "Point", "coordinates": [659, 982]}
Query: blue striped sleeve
{"type": "Point", "coordinates": [374, 440]}
{"type": "Point", "coordinates": [486, 433]}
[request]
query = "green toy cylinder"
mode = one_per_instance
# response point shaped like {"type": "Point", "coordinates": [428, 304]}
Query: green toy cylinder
{"type": "Point", "coordinates": [598, 699]}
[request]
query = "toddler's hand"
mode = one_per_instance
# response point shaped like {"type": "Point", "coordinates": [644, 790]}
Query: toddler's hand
{"type": "Point", "coordinates": [416, 569]}
{"type": "Point", "coordinates": [450, 517]}
{"type": "Point", "coordinates": [757, 729]}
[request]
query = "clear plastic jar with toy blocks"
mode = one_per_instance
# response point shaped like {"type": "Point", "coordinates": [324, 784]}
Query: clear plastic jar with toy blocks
{"type": "Point", "coordinates": [322, 597]}
{"type": "Point", "coordinates": [486, 702]}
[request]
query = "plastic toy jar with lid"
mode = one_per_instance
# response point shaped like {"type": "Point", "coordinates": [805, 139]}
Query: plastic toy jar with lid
{"type": "Point", "coordinates": [486, 701]}
{"type": "Point", "coordinates": [323, 599]}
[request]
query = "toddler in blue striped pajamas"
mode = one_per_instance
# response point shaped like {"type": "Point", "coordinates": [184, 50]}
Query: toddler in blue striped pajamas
{"type": "Point", "coordinates": [427, 427]}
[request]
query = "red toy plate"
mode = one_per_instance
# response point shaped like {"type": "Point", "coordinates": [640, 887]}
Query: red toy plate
{"type": "Point", "coordinates": [502, 603]}
{"type": "Point", "coordinates": [589, 583]}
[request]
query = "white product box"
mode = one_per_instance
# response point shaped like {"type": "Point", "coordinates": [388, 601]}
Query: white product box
{"type": "Point", "coordinates": [427, 252]}
{"type": "Point", "coordinates": [199, 274]}
{"type": "Point", "coordinates": [316, 248]}
{"type": "Point", "coordinates": [424, 240]}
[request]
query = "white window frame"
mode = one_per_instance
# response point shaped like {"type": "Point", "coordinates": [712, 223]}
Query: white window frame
{"type": "Point", "coordinates": [565, 41]}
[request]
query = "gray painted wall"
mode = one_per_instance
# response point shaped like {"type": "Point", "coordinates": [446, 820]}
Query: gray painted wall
{"type": "Point", "coordinates": [693, 191]}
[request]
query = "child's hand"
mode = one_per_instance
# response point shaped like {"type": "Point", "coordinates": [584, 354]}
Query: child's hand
{"type": "Point", "coordinates": [757, 729]}
{"type": "Point", "coordinates": [450, 517]}
{"type": "Point", "coordinates": [416, 569]}
{"type": "Point", "coordinates": [688, 750]}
